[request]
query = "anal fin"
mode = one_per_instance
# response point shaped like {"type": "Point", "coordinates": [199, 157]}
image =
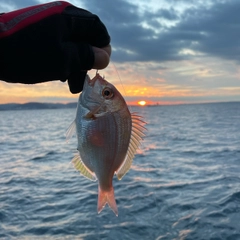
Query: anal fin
{"type": "Point", "coordinates": [80, 166]}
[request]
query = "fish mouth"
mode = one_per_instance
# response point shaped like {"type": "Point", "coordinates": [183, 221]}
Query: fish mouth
{"type": "Point", "coordinates": [91, 82]}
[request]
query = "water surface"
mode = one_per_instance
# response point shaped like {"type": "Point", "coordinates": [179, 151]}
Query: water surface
{"type": "Point", "coordinates": [184, 183]}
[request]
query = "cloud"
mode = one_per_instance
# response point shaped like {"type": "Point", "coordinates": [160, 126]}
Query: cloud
{"type": "Point", "coordinates": [53, 91]}
{"type": "Point", "coordinates": [135, 34]}
{"type": "Point", "coordinates": [217, 29]}
{"type": "Point", "coordinates": [10, 5]}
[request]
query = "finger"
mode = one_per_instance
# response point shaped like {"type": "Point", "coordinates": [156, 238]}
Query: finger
{"type": "Point", "coordinates": [101, 57]}
{"type": "Point", "coordinates": [108, 49]}
{"type": "Point", "coordinates": [76, 81]}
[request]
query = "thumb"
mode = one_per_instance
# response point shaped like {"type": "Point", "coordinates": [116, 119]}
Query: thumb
{"type": "Point", "coordinates": [101, 57]}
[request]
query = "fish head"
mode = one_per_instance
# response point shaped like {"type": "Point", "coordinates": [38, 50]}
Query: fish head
{"type": "Point", "coordinates": [100, 96]}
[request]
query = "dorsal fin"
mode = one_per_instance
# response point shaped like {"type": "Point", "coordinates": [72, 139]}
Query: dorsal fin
{"type": "Point", "coordinates": [136, 136]}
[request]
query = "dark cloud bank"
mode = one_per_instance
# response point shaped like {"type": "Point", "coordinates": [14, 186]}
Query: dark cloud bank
{"type": "Point", "coordinates": [214, 31]}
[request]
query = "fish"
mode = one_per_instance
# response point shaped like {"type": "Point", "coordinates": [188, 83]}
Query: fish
{"type": "Point", "coordinates": [108, 137]}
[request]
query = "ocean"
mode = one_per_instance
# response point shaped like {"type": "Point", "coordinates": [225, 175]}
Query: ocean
{"type": "Point", "coordinates": [184, 182]}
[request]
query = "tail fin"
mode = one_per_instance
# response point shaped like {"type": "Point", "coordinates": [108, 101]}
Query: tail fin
{"type": "Point", "coordinates": [106, 197]}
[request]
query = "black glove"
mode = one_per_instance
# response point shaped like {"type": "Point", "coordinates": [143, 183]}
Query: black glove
{"type": "Point", "coordinates": [48, 42]}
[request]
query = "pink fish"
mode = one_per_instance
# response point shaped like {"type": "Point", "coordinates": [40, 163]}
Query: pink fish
{"type": "Point", "coordinates": [108, 137]}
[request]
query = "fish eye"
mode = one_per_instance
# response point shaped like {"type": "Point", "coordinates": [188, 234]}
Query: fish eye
{"type": "Point", "coordinates": [107, 93]}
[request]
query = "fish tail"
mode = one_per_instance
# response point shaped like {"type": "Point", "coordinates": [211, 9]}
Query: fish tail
{"type": "Point", "coordinates": [107, 197]}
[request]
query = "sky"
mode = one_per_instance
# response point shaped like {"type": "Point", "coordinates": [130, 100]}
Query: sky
{"type": "Point", "coordinates": [166, 52]}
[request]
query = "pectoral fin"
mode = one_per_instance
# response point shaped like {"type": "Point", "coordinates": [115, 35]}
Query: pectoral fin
{"type": "Point", "coordinates": [71, 130]}
{"type": "Point", "coordinates": [91, 114]}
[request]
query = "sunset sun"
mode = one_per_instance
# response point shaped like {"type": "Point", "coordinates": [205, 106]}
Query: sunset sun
{"type": "Point", "coordinates": [142, 103]}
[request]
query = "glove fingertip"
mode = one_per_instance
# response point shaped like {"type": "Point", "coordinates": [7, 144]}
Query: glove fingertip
{"type": "Point", "coordinates": [76, 82]}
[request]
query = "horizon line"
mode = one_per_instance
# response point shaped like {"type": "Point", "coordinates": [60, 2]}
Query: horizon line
{"type": "Point", "coordinates": [159, 103]}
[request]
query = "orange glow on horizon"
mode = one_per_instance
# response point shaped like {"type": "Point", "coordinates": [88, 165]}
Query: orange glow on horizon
{"type": "Point", "coordinates": [133, 85]}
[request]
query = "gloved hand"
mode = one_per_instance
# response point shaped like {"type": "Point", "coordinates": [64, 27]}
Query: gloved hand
{"type": "Point", "coordinates": [53, 41]}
